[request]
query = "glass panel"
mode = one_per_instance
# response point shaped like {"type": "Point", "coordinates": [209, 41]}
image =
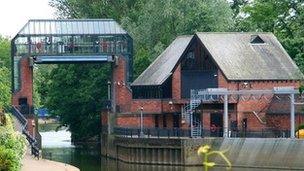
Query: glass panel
{"type": "Point", "coordinates": [47, 27]}
{"type": "Point", "coordinates": [22, 46]}
{"type": "Point", "coordinates": [16, 73]}
{"type": "Point", "coordinates": [96, 27]}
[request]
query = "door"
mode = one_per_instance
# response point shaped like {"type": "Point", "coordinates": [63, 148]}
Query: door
{"type": "Point", "coordinates": [216, 124]}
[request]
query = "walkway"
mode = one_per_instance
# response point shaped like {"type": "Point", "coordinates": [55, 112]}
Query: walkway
{"type": "Point", "coordinates": [31, 164]}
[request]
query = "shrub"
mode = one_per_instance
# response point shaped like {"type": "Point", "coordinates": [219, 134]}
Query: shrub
{"type": "Point", "coordinates": [300, 127]}
{"type": "Point", "coordinates": [12, 147]}
{"type": "Point", "coordinates": [8, 160]}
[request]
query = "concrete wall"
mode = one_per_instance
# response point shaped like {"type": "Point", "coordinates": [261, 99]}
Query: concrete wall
{"type": "Point", "coordinates": [243, 152]}
{"type": "Point", "coordinates": [251, 152]}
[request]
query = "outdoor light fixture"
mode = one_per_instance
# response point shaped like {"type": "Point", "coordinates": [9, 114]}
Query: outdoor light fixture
{"type": "Point", "coordinates": [141, 122]}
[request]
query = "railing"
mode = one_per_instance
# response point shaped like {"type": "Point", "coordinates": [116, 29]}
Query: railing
{"type": "Point", "coordinates": [152, 132]}
{"type": "Point", "coordinates": [218, 132]}
{"type": "Point", "coordinates": [32, 141]}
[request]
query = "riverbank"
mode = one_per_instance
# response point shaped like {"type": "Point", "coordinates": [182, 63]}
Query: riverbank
{"type": "Point", "coordinates": [31, 164]}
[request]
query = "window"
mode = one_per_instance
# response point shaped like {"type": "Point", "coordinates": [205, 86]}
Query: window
{"type": "Point", "coordinates": [256, 39]}
{"type": "Point", "coordinates": [156, 121]}
{"type": "Point", "coordinates": [164, 121]}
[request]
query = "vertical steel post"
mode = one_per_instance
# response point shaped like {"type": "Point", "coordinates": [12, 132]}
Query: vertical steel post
{"type": "Point", "coordinates": [141, 122]}
{"type": "Point", "coordinates": [292, 116]}
{"type": "Point", "coordinates": [191, 112]}
{"type": "Point", "coordinates": [109, 107]}
{"type": "Point", "coordinates": [225, 134]}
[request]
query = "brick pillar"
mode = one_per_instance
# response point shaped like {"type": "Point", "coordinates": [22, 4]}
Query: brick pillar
{"type": "Point", "coordinates": [26, 86]}
{"type": "Point", "coordinates": [26, 91]}
{"type": "Point", "coordinates": [121, 92]}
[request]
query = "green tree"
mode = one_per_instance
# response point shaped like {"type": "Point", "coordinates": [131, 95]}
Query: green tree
{"type": "Point", "coordinates": [5, 81]}
{"type": "Point", "coordinates": [159, 22]}
{"type": "Point", "coordinates": [285, 18]}
{"type": "Point", "coordinates": [5, 93]}
{"type": "Point", "coordinates": [5, 59]}
{"type": "Point", "coordinates": [76, 95]}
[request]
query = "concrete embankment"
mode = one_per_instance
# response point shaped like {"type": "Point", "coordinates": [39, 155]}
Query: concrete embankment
{"type": "Point", "coordinates": [265, 153]}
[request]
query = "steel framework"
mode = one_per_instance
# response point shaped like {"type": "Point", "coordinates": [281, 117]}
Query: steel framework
{"type": "Point", "coordinates": [207, 95]}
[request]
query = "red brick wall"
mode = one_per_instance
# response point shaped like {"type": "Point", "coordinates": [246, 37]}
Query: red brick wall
{"type": "Point", "coordinates": [134, 121]}
{"type": "Point", "coordinates": [149, 106]}
{"type": "Point", "coordinates": [283, 121]}
{"type": "Point", "coordinates": [245, 108]}
{"type": "Point", "coordinates": [154, 106]}
{"type": "Point", "coordinates": [123, 94]}
{"type": "Point", "coordinates": [176, 83]}
{"type": "Point", "coordinates": [26, 87]}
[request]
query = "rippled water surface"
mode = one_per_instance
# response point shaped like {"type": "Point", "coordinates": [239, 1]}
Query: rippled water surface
{"type": "Point", "coordinates": [57, 146]}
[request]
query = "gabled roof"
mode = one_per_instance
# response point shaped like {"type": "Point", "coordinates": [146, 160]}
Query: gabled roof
{"type": "Point", "coordinates": [71, 27]}
{"type": "Point", "coordinates": [239, 59]}
{"type": "Point", "coordinates": [234, 53]}
{"type": "Point", "coordinates": [162, 67]}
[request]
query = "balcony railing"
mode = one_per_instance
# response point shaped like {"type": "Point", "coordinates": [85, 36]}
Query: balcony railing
{"type": "Point", "coordinates": [178, 133]}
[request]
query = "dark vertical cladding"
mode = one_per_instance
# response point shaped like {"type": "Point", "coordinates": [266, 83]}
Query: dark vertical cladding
{"type": "Point", "coordinates": [163, 91]}
{"type": "Point", "coordinates": [198, 80]}
{"type": "Point", "coordinates": [198, 69]}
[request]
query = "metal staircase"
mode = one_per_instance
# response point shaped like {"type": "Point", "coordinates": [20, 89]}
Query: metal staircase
{"type": "Point", "coordinates": [32, 141]}
{"type": "Point", "coordinates": [187, 116]}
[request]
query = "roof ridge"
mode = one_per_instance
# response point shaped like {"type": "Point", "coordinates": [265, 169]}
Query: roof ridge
{"type": "Point", "coordinates": [233, 33]}
{"type": "Point", "coordinates": [74, 19]}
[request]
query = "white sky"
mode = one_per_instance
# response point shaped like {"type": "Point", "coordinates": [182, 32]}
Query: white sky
{"type": "Point", "coordinates": [15, 13]}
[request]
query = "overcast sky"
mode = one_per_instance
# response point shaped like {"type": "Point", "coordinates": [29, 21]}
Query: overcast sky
{"type": "Point", "coordinates": [15, 13]}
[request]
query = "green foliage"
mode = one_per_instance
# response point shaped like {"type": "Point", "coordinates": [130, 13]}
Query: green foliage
{"type": "Point", "coordinates": [12, 147]}
{"type": "Point", "coordinates": [300, 127]}
{"type": "Point", "coordinates": [159, 22]}
{"type": "Point", "coordinates": [5, 81]}
{"type": "Point", "coordinates": [8, 160]}
{"type": "Point", "coordinates": [75, 94]}
{"type": "Point", "coordinates": [41, 82]}
{"type": "Point", "coordinates": [5, 93]}
{"type": "Point", "coordinates": [5, 59]}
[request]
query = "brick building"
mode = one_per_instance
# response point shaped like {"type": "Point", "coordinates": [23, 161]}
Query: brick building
{"type": "Point", "coordinates": [234, 61]}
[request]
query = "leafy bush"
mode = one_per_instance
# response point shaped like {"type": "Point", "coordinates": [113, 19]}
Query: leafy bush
{"type": "Point", "coordinates": [12, 147]}
{"type": "Point", "coordinates": [300, 127]}
{"type": "Point", "coordinates": [8, 160]}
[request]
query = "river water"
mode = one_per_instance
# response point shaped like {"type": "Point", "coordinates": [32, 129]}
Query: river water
{"type": "Point", "coordinates": [57, 146]}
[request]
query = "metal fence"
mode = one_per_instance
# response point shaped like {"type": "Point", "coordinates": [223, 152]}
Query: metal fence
{"type": "Point", "coordinates": [179, 133]}
{"type": "Point", "coordinates": [152, 132]}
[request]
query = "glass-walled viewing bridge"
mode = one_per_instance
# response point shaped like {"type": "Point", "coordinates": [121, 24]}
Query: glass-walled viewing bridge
{"type": "Point", "coordinates": [70, 41]}
{"type": "Point", "coordinates": [57, 42]}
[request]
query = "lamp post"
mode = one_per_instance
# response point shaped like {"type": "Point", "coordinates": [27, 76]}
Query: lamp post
{"type": "Point", "coordinates": [109, 104]}
{"type": "Point", "coordinates": [141, 122]}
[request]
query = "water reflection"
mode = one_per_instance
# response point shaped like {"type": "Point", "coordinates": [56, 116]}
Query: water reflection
{"type": "Point", "coordinates": [59, 139]}
{"type": "Point", "coordinates": [57, 146]}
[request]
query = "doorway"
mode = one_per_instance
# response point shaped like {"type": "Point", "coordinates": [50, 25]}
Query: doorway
{"type": "Point", "coordinates": [216, 124]}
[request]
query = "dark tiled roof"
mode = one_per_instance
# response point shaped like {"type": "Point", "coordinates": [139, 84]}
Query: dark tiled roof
{"type": "Point", "coordinates": [241, 59]}
{"type": "Point", "coordinates": [163, 65]}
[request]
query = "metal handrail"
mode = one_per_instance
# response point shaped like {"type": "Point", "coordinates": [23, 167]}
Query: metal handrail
{"type": "Point", "coordinates": [32, 141]}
